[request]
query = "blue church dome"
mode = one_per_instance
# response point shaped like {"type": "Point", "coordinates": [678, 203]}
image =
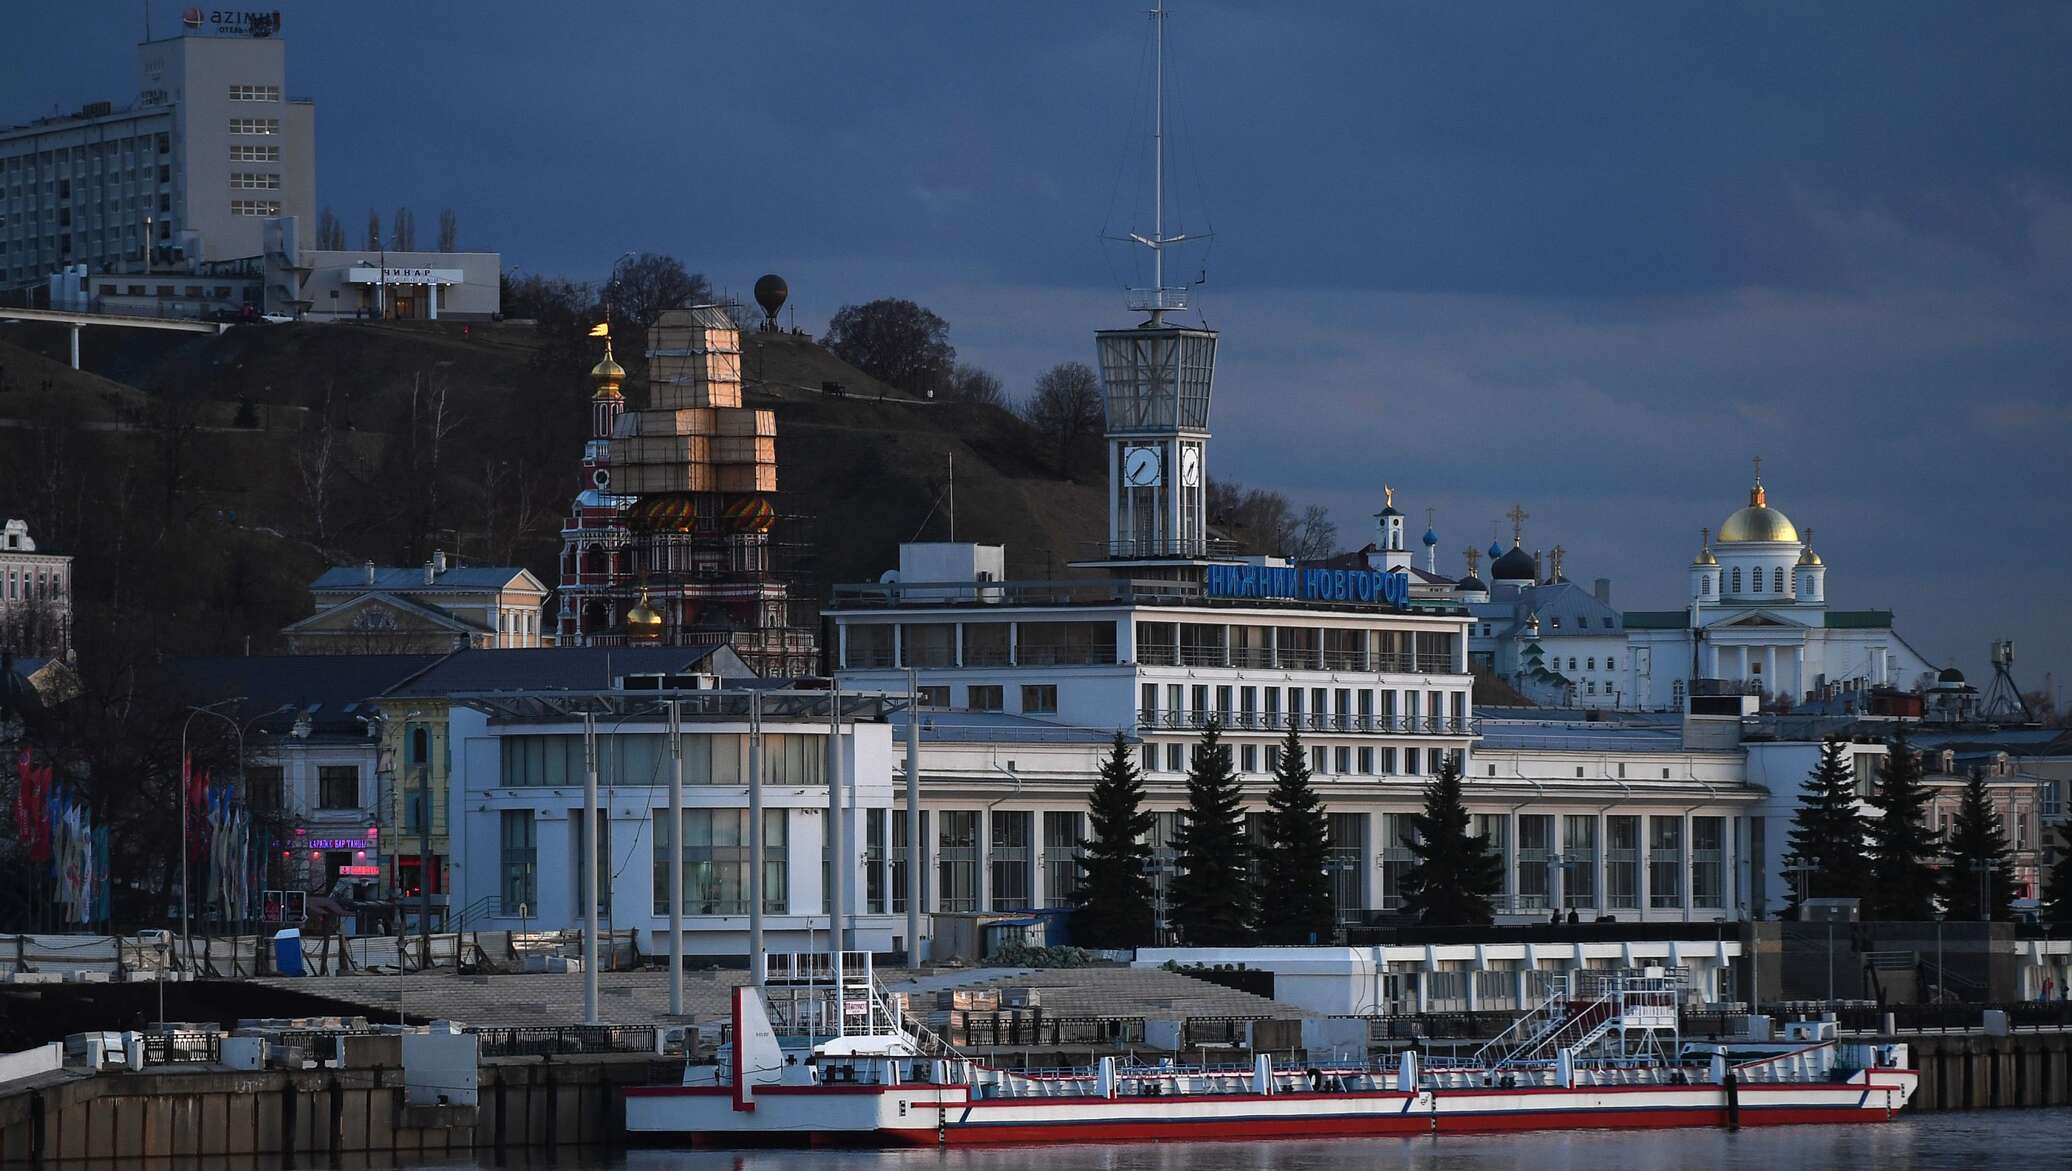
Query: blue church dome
{"type": "Point", "coordinates": [1495, 551]}
{"type": "Point", "coordinates": [1430, 537]}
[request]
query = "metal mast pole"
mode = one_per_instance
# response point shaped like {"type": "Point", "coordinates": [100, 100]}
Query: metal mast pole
{"type": "Point", "coordinates": [837, 831]}
{"type": "Point", "coordinates": [916, 856]}
{"type": "Point", "coordinates": [1158, 169]}
{"type": "Point", "coordinates": [424, 863]}
{"type": "Point", "coordinates": [676, 859]}
{"type": "Point", "coordinates": [758, 970]}
{"type": "Point", "coordinates": [589, 863]}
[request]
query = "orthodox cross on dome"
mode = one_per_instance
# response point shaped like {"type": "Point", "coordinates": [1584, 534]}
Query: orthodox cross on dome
{"type": "Point", "coordinates": [1705, 538]}
{"type": "Point", "coordinates": [1428, 517]}
{"type": "Point", "coordinates": [1518, 517]}
{"type": "Point", "coordinates": [1557, 552]}
{"type": "Point", "coordinates": [1758, 469]}
{"type": "Point", "coordinates": [1473, 555]}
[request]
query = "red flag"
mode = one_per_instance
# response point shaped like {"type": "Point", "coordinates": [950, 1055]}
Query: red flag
{"type": "Point", "coordinates": [21, 795]}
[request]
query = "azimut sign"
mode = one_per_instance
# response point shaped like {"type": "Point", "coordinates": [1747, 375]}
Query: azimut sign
{"type": "Point", "coordinates": [1309, 585]}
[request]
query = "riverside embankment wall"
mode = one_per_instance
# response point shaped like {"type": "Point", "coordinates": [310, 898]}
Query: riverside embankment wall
{"type": "Point", "coordinates": [526, 1103]}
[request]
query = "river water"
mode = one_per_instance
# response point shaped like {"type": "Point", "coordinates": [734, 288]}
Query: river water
{"type": "Point", "coordinates": [2028, 1140]}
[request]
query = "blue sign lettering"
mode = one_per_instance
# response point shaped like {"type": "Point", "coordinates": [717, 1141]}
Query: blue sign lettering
{"type": "Point", "coordinates": [1308, 585]}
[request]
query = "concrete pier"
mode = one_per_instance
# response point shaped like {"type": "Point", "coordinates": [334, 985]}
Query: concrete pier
{"type": "Point", "coordinates": [526, 1103]}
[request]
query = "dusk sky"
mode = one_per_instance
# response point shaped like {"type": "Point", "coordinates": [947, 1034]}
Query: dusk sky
{"type": "Point", "coordinates": [1590, 258]}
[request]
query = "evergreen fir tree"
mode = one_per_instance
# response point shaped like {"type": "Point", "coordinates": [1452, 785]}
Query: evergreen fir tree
{"type": "Point", "coordinates": [1827, 833]}
{"type": "Point", "coordinates": [1113, 905]}
{"type": "Point", "coordinates": [1211, 900]}
{"type": "Point", "coordinates": [2057, 905]}
{"type": "Point", "coordinates": [1456, 874]}
{"type": "Point", "coordinates": [1294, 879]}
{"type": "Point", "coordinates": [1902, 847]}
{"type": "Point", "coordinates": [1978, 841]}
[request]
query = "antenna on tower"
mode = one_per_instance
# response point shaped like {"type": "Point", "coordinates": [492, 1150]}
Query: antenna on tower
{"type": "Point", "coordinates": [2003, 698]}
{"type": "Point", "coordinates": [1158, 300]}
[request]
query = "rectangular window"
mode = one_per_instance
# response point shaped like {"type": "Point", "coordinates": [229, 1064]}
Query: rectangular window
{"type": "Point", "coordinates": [935, 697]}
{"type": "Point", "coordinates": [603, 846]}
{"type": "Point", "coordinates": [1176, 759]}
{"type": "Point", "coordinates": [1273, 757]}
{"type": "Point", "coordinates": [1397, 832]}
{"type": "Point", "coordinates": [1366, 762]}
{"type": "Point", "coordinates": [1579, 860]}
{"type": "Point", "coordinates": [1665, 862]}
{"type": "Point", "coordinates": [243, 153]}
{"type": "Point", "coordinates": [1150, 754]}
{"type": "Point", "coordinates": [1061, 834]}
{"type": "Point", "coordinates": [1708, 861]}
{"type": "Point", "coordinates": [1622, 862]}
{"type": "Point", "coordinates": [957, 859]}
{"type": "Point", "coordinates": [1010, 860]}
{"type": "Point", "coordinates": [1039, 699]}
{"type": "Point", "coordinates": [1319, 761]}
{"type": "Point", "coordinates": [519, 859]}
{"type": "Point", "coordinates": [715, 862]}
{"type": "Point", "coordinates": [1347, 836]}
{"type": "Point", "coordinates": [255, 207]}
{"type": "Point", "coordinates": [1248, 758]}
{"type": "Point", "coordinates": [1343, 759]}
{"type": "Point", "coordinates": [265, 788]}
{"type": "Point", "coordinates": [1149, 715]}
{"type": "Point", "coordinates": [254, 181]}
{"type": "Point", "coordinates": [874, 861]}
{"type": "Point", "coordinates": [984, 697]}
{"type": "Point", "coordinates": [255, 93]}
{"type": "Point", "coordinates": [1411, 761]}
{"type": "Point", "coordinates": [1535, 839]}
{"type": "Point", "coordinates": [338, 786]}
{"type": "Point", "coordinates": [255, 125]}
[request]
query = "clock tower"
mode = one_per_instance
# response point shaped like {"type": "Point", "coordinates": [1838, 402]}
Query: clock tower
{"type": "Point", "coordinates": [1155, 380]}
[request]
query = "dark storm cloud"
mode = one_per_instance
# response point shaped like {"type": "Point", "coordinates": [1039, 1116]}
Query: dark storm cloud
{"type": "Point", "coordinates": [1588, 256]}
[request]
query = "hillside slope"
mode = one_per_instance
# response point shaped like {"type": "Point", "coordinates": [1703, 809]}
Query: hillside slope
{"type": "Point", "coordinates": [244, 463]}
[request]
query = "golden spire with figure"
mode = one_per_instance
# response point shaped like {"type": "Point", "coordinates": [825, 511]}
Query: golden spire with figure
{"type": "Point", "coordinates": [607, 374]}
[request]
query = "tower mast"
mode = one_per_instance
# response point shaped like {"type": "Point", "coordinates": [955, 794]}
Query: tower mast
{"type": "Point", "coordinates": [1158, 300]}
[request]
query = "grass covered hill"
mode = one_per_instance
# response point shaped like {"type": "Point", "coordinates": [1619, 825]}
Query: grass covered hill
{"type": "Point", "coordinates": [202, 481]}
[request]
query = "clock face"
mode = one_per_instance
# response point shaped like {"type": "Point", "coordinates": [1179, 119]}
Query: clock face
{"type": "Point", "coordinates": [601, 478]}
{"type": "Point", "coordinates": [1141, 467]}
{"type": "Point", "coordinates": [1190, 466]}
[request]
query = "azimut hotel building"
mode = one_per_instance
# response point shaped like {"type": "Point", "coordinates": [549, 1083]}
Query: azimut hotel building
{"type": "Point", "coordinates": [210, 149]}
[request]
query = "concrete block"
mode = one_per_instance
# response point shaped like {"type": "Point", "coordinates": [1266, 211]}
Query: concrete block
{"type": "Point", "coordinates": [128, 1118]}
{"type": "Point", "coordinates": [244, 1052]}
{"type": "Point", "coordinates": [1995, 1023]}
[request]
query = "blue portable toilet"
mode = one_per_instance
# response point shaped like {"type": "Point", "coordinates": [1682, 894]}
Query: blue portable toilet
{"type": "Point", "coordinates": [287, 951]}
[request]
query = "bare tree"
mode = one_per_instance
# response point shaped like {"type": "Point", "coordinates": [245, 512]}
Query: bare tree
{"type": "Point", "coordinates": [330, 233]}
{"type": "Point", "coordinates": [403, 230]}
{"type": "Point", "coordinates": [449, 230]}
{"type": "Point", "coordinates": [373, 229]}
{"type": "Point", "coordinates": [1315, 537]}
{"type": "Point", "coordinates": [644, 285]}
{"type": "Point", "coordinates": [314, 465]}
{"type": "Point", "coordinates": [969, 384]}
{"type": "Point", "coordinates": [1065, 408]}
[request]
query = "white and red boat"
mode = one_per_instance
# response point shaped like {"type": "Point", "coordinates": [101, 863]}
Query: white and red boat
{"type": "Point", "coordinates": [814, 1058]}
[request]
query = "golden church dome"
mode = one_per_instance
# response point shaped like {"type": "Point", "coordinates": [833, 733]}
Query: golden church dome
{"type": "Point", "coordinates": [1757, 522]}
{"type": "Point", "coordinates": [643, 622]}
{"type": "Point", "coordinates": [607, 374]}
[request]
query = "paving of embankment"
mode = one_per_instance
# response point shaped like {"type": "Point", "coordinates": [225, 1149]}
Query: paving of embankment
{"type": "Point", "coordinates": [642, 997]}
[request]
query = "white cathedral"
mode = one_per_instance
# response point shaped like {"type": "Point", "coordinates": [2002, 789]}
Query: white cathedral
{"type": "Point", "coordinates": [1757, 619]}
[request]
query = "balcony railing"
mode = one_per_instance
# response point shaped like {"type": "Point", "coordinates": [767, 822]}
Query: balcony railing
{"type": "Point", "coordinates": [1194, 719]}
{"type": "Point", "coordinates": [1166, 655]}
